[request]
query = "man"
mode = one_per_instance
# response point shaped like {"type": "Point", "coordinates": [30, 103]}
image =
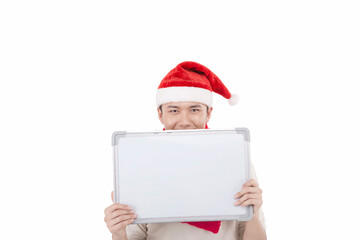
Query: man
{"type": "Point", "coordinates": [184, 101]}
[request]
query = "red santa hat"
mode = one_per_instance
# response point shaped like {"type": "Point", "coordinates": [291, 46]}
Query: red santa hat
{"type": "Point", "coordinates": [192, 82]}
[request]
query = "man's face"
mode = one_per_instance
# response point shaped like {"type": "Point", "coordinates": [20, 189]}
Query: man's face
{"type": "Point", "coordinates": [184, 115]}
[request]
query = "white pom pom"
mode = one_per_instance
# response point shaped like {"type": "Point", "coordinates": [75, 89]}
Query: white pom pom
{"type": "Point", "coordinates": [234, 99]}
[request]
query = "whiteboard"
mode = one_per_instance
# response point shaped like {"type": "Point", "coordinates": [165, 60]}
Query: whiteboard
{"type": "Point", "coordinates": [182, 175]}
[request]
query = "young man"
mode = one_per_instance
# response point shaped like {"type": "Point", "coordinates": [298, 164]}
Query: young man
{"type": "Point", "coordinates": [184, 101]}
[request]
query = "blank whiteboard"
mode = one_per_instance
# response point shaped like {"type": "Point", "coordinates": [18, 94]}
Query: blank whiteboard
{"type": "Point", "coordinates": [182, 175]}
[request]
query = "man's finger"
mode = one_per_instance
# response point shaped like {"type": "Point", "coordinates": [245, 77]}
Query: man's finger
{"type": "Point", "coordinates": [247, 197]}
{"type": "Point", "coordinates": [117, 213]}
{"type": "Point", "coordinates": [250, 183]}
{"type": "Point", "coordinates": [120, 219]}
{"type": "Point", "coordinates": [248, 190]}
{"type": "Point", "coordinates": [252, 202]}
{"type": "Point", "coordinates": [120, 226]}
{"type": "Point", "coordinates": [116, 206]}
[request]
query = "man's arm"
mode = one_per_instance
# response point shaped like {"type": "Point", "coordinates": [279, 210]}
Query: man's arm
{"type": "Point", "coordinates": [120, 235]}
{"type": "Point", "coordinates": [254, 229]}
{"type": "Point", "coordinates": [251, 194]}
{"type": "Point", "coordinates": [117, 217]}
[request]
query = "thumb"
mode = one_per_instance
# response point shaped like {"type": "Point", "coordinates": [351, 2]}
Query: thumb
{"type": "Point", "coordinates": [112, 196]}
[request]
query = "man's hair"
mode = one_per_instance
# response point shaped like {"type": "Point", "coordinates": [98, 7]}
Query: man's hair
{"type": "Point", "coordinates": [207, 108]}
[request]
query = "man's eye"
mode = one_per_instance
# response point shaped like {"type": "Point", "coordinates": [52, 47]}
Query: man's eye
{"type": "Point", "coordinates": [173, 111]}
{"type": "Point", "coordinates": [195, 110]}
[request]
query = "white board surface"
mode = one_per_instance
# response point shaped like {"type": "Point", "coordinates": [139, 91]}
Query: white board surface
{"type": "Point", "coordinates": [183, 175]}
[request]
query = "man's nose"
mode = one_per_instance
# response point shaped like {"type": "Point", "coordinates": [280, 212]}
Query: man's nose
{"type": "Point", "coordinates": [184, 120]}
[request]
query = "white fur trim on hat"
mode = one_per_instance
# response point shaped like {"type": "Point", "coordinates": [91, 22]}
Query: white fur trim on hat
{"type": "Point", "coordinates": [183, 94]}
{"type": "Point", "coordinates": [234, 99]}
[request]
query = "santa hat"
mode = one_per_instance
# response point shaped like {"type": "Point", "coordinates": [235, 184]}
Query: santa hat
{"type": "Point", "coordinates": [192, 82]}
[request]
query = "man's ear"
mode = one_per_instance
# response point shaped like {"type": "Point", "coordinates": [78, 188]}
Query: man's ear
{"type": "Point", "coordinates": [209, 114]}
{"type": "Point", "coordinates": [160, 115]}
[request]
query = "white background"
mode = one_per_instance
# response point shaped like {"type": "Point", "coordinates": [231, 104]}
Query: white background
{"type": "Point", "coordinates": [72, 72]}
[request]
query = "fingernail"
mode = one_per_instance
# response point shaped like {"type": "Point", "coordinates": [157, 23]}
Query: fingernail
{"type": "Point", "coordinates": [128, 207]}
{"type": "Point", "coordinates": [132, 211]}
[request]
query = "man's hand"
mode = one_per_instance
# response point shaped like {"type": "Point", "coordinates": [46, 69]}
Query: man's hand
{"type": "Point", "coordinates": [250, 194]}
{"type": "Point", "coordinates": [117, 217]}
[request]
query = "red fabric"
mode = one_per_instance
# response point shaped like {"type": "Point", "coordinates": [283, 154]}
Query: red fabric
{"type": "Point", "coordinates": [208, 226]}
{"type": "Point", "coordinates": [192, 74]}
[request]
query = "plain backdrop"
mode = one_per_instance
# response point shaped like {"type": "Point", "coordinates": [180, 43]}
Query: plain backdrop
{"type": "Point", "coordinates": [73, 72]}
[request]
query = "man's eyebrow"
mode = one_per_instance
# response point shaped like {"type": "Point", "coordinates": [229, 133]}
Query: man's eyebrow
{"type": "Point", "coordinates": [195, 106]}
{"type": "Point", "coordinates": [172, 106]}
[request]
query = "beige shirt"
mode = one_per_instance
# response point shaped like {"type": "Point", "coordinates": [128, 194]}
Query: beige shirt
{"type": "Point", "coordinates": [229, 230]}
{"type": "Point", "coordinates": [179, 231]}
